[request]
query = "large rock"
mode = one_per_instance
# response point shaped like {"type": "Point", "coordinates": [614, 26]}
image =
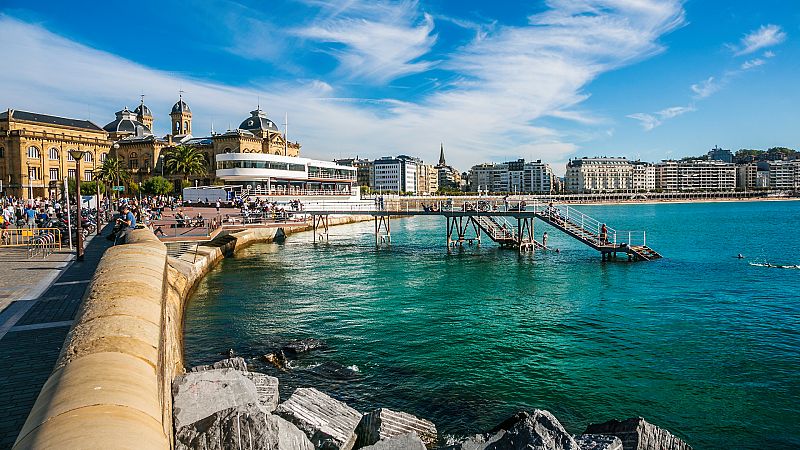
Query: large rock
{"type": "Point", "coordinates": [303, 346]}
{"type": "Point", "coordinates": [237, 363]}
{"type": "Point", "coordinates": [638, 434]}
{"type": "Point", "coordinates": [599, 442]}
{"type": "Point", "coordinates": [197, 395]}
{"type": "Point", "coordinates": [241, 428]}
{"type": "Point", "coordinates": [407, 441]}
{"type": "Point", "coordinates": [266, 388]}
{"type": "Point", "coordinates": [537, 430]}
{"type": "Point", "coordinates": [329, 423]}
{"type": "Point", "coordinates": [386, 424]}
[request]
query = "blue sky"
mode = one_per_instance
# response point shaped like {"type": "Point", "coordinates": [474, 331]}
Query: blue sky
{"type": "Point", "coordinates": [493, 81]}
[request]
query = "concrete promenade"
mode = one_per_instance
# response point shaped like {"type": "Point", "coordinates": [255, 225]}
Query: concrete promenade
{"type": "Point", "coordinates": [41, 298]}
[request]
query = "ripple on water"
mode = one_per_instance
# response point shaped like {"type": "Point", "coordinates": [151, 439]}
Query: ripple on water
{"type": "Point", "coordinates": [701, 343]}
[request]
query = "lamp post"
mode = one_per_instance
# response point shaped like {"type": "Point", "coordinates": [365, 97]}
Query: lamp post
{"type": "Point", "coordinates": [30, 183]}
{"type": "Point", "coordinates": [77, 155]}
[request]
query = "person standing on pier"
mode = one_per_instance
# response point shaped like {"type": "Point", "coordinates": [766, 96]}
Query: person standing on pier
{"type": "Point", "coordinates": [603, 234]}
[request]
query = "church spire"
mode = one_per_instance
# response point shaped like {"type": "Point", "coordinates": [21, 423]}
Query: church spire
{"type": "Point", "coordinates": [441, 154]}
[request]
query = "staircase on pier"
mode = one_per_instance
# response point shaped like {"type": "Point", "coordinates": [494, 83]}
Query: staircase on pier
{"type": "Point", "coordinates": [590, 231]}
{"type": "Point", "coordinates": [506, 234]}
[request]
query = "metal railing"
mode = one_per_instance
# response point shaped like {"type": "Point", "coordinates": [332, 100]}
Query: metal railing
{"type": "Point", "coordinates": [44, 244]}
{"type": "Point", "coordinates": [21, 237]}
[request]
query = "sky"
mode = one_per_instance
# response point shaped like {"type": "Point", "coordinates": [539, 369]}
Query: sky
{"type": "Point", "coordinates": [491, 81]}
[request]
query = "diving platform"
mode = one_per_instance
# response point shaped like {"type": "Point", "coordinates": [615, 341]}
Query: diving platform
{"type": "Point", "coordinates": [511, 225]}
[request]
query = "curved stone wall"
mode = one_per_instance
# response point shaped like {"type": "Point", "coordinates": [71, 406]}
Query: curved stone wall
{"type": "Point", "coordinates": [111, 387]}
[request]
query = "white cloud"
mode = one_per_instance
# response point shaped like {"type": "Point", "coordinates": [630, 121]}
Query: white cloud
{"type": "Point", "coordinates": [506, 81]}
{"type": "Point", "coordinates": [751, 63]}
{"type": "Point", "coordinates": [376, 41]}
{"type": "Point", "coordinates": [765, 36]}
{"type": "Point", "coordinates": [706, 88]}
{"type": "Point", "coordinates": [651, 121]}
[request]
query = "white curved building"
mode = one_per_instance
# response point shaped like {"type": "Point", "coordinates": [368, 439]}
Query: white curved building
{"type": "Point", "coordinates": [267, 175]}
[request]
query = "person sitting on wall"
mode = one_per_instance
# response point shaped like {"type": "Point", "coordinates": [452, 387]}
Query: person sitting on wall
{"type": "Point", "coordinates": [180, 219]}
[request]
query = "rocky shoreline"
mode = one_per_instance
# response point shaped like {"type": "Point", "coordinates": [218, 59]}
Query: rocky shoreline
{"type": "Point", "coordinates": [226, 406]}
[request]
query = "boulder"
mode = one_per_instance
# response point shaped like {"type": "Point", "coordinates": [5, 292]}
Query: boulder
{"type": "Point", "coordinates": [407, 441]}
{"type": "Point", "coordinates": [244, 428]}
{"type": "Point", "coordinates": [197, 395]}
{"type": "Point", "coordinates": [297, 347]}
{"type": "Point", "coordinates": [638, 434]}
{"type": "Point", "coordinates": [328, 423]}
{"type": "Point", "coordinates": [237, 363]}
{"type": "Point", "coordinates": [277, 359]}
{"type": "Point", "coordinates": [537, 430]}
{"type": "Point", "coordinates": [386, 424]}
{"type": "Point", "coordinates": [599, 442]}
{"type": "Point", "coordinates": [266, 388]}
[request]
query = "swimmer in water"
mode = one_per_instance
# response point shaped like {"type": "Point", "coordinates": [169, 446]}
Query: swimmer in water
{"type": "Point", "coordinates": [740, 256]}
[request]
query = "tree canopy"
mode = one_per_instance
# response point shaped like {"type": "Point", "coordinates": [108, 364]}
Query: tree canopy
{"type": "Point", "coordinates": [184, 160]}
{"type": "Point", "coordinates": [157, 186]}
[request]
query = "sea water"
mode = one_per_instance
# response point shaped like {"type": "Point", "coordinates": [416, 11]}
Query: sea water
{"type": "Point", "coordinates": [701, 342]}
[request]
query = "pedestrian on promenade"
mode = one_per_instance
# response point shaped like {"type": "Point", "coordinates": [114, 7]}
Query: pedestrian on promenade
{"type": "Point", "coordinates": [218, 204]}
{"type": "Point", "coordinates": [30, 215]}
{"type": "Point", "coordinates": [544, 240]}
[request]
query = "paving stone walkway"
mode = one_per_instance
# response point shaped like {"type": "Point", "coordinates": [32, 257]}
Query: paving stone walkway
{"type": "Point", "coordinates": [32, 333]}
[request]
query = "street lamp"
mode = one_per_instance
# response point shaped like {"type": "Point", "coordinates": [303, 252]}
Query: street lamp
{"type": "Point", "coordinates": [77, 155]}
{"type": "Point", "coordinates": [30, 183]}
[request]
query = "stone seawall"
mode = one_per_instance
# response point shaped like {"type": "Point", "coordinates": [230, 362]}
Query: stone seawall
{"type": "Point", "coordinates": [111, 387]}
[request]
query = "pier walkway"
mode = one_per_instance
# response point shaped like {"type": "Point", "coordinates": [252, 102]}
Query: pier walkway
{"type": "Point", "coordinates": [509, 224]}
{"type": "Point", "coordinates": [32, 333]}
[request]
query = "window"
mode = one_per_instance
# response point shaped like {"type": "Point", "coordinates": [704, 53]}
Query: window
{"type": "Point", "coordinates": [53, 153]}
{"type": "Point", "coordinates": [69, 155]}
{"type": "Point", "coordinates": [133, 155]}
{"type": "Point", "coordinates": [103, 157]}
{"type": "Point", "coordinates": [87, 175]}
{"type": "Point", "coordinates": [33, 173]}
{"type": "Point", "coordinates": [71, 173]}
{"type": "Point", "coordinates": [133, 163]}
{"type": "Point", "coordinates": [177, 126]}
{"type": "Point", "coordinates": [88, 157]}
{"type": "Point", "coordinates": [33, 152]}
{"type": "Point", "coordinates": [53, 174]}
{"type": "Point", "coordinates": [186, 126]}
{"type": "Point", "coordinates": [2, 152]}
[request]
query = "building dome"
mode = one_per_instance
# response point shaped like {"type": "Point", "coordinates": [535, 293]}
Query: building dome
{"type": "Point", "coordinates": [126, 123]}
{"type": "Point", "coordinates": [258, 121]}
{"type": "Point", "coordinates": [143, 110]}
{"type": "Point", "coordinates": [180, 107]}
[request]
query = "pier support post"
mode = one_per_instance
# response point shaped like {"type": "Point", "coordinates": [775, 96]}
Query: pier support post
{"type": "Point", "coordinates": [383, 231]}
{"type": "Point", "coordinates": [319, 227]}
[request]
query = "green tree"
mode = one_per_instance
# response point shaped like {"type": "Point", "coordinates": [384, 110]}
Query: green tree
{"type": "Point", "coordinates": [87, 187]}
{"type": "Point", "coordinates": [185, 161]}
{"type": "Point", "coordinates": [112, 172]}
{"type": "Point", "coordinates": [157, 186]}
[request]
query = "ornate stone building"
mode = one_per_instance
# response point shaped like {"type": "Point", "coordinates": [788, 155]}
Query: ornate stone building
{"type": "Point", "coordinates": [34, 152]}
{"type": "Point", "coordinates": [142, 152]}
{"type": "Point", "coordinates": [34, 148]}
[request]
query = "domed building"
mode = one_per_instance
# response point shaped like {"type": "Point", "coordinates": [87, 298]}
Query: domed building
{"type": "Point", "coordinates": [141, 150]}
{"type": "Point", "coordinates": [126, 124]}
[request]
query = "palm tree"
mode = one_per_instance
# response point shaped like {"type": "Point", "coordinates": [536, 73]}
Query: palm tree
{"type": "Point", "coordinates": [112, 171]}
{"type": "Point", "coordinates": [185, 161]}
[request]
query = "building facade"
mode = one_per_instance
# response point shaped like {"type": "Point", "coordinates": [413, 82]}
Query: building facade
{"type": "Point", "coordinates": [643, 176]}
{"type": "Point", "coordinates": [589, 175]}
{"type": "Point", "coordinates": [427, 179]}
{"type": "Point", "coordinates": [397, 175]}
{"type": "Point", "coordinates": [142, 152]}
{"type": "Point", "coordinates": [695, 175]}
{"type": "Point", "coordinates": [363, 168]}
{"type": "Point", "coordinates": [783, 175]}
{"type": "Point", "coordinates": [34, 152]}
{"type": "Point", "coordinates": [515, 177]}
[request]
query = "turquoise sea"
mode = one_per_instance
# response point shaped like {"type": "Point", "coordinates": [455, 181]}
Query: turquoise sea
{"type": "Point", "coordinates": [701, 343]}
